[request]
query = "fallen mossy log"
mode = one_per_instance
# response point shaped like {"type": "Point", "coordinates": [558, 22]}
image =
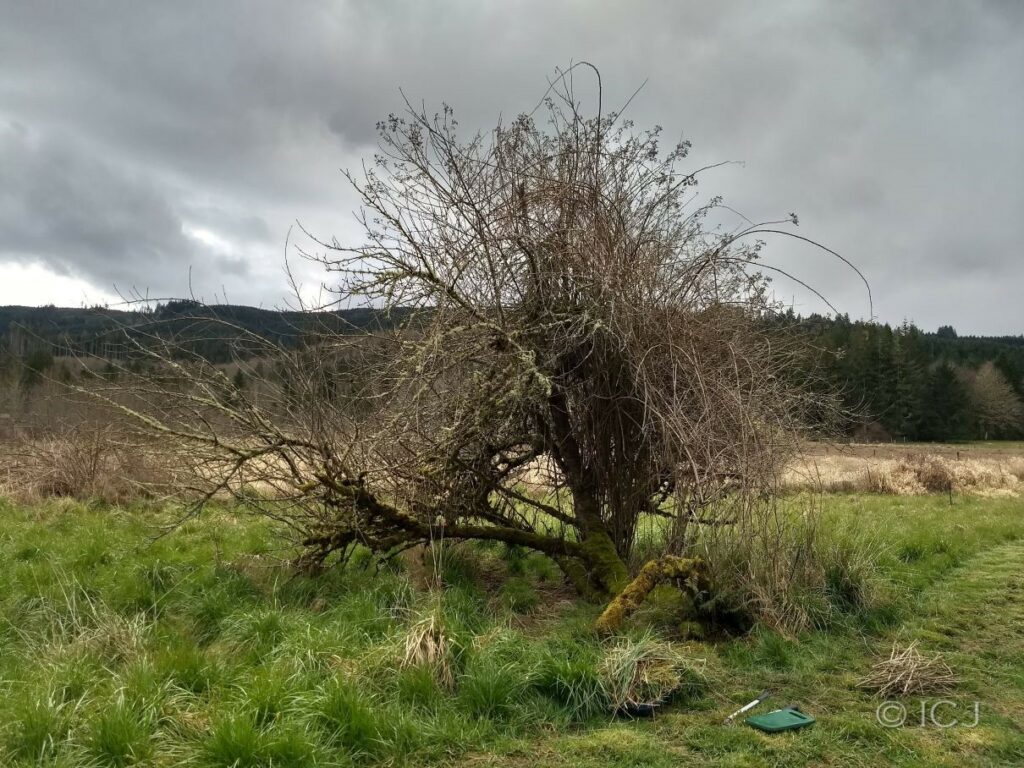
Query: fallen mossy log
{"type": "Point", "coordinates": [691, 570]}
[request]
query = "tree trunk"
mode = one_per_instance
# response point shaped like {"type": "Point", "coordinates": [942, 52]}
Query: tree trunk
{"type": "Point", "coordinates": [606, 571]}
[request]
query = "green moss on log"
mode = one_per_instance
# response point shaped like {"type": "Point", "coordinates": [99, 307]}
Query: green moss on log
{"type": "Point", "coordinates": [669, 567]}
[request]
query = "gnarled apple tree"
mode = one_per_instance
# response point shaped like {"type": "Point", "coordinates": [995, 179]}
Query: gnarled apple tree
{"type": "Point", "coordinates": [572, 357]}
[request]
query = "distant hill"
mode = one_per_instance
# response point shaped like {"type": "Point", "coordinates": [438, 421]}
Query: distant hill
{"type": "Point", "coordinates": [210, 330]}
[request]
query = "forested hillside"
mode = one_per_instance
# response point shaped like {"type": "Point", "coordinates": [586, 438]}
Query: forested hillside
{"type": "Point", "coordinates": [212, 331]}
{"type": "Point", "coordinates": [896, 383]}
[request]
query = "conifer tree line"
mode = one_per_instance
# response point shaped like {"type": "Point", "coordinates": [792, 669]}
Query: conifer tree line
{"type": "Point", "coordinates": [900, 383]}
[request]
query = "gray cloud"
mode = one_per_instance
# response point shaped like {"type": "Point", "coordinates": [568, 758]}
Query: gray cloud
{"type": "Point", "coordinates": [68, 209]}
{"type": "Point", "coordinates": [892, 128]}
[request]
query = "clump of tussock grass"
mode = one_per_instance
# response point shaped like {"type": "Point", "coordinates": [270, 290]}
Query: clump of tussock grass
{"type": "Point", "coordinates": [36, 726]}
{"type": "Point", "coordinates": [236, 740]}
{"type": "Point", "coordinates": [270, 692]}
{"type": "Point", "coordinates": [804, 575]}
{"type": "Point", "coordinates": [115, 637]}
{"type": "Point", "coordinates": [850, 559]}
{"type": "Point", "coordinates": [185, 666]}
{"type": "Point", "coordinates": [216, 598]}
{"type": "Point", "coordinates": [417, 687]}
{"type": "Point", "coordinates": [491, 687]}
{"type": "Point", "coordinates": [645, 671]}
{"type": "Point", "coordinates": [769, 649]}
{"type": "Point", "coordinates": [257, 630]}
{"type": "Point", "coordinates": [322, 647]}
{"type": "Point", "coordinates": [347, 717]}
{"type": "Point", "coordinates": [908, 672]}
{"type": "Point", "coordinates": [517, 595]}
{"type": "Point", "coordinates": [568, 674]}
{"type": "Point", "coordinates": [372, 610]}
{"type": "Point", "coordinates": [72, 676]}
{"type": "Point", "coordinates": [120, 734]}
{"type": "Point", "coordinates": [429, 646]}
{"type": "Point", "coordinates": [232, 740]}
{"type": "Point", "coordinates": [73, 621]}
{"type": "Point", "coordinates": [141, 686]}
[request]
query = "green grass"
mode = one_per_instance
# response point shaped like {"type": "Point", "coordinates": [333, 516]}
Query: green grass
{"type": "Point", "coordinates": [118, 648]}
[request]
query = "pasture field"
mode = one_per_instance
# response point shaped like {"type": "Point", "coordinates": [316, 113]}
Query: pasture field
{"type": "Point", "coordinates": [118, 647]}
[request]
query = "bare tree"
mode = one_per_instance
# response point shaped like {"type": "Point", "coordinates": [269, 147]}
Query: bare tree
{"type": "Point", "coordinates": [996, 405]}
{"type": "Point", "coordinates": [558, 305]}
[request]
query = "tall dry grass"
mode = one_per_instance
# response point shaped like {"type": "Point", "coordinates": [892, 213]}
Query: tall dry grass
{"type": "Point", "coordinates": [908, 475]}
{"type": "Point", "coordinates": [801, 572]}
{"type": "Point", "coordinates": [99, 461]}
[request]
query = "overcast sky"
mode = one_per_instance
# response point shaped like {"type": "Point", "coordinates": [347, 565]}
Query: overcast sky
{"type": "Point", "coordinates": [167, 147]}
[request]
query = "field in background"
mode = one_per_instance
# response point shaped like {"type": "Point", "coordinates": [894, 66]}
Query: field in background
{"type": "Point", "coordinates": [195, 648]}
{"type": "Point", "coordinates": [906, 469]}
{"type": "Point", "coordinates": [92, 462]}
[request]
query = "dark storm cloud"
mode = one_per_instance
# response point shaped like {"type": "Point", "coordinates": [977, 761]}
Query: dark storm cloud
{"type": "Point", "coordinates": [195, 133]}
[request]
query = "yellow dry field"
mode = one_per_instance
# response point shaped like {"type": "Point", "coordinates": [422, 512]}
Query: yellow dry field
{"type": "Point", "coordinates": [98, 466]}
{"type": "Point", "coordinates": [908, 469]}
{"type": "Point", "coordinates": [901, 469]}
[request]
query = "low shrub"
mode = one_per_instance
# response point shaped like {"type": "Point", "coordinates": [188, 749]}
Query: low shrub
{"type": "Point", "coordinates": [84, 462]}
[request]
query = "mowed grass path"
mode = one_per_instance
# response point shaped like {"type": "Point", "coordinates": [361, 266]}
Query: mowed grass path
{"type": "Point", "coordinates": [195, 649]}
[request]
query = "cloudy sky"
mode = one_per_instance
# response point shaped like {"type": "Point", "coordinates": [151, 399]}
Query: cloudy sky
{"type": "Point", "coordinates": [166, 148]}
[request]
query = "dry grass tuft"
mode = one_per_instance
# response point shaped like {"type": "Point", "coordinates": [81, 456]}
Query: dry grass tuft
{"type": "Point", "coordinates": [427, 645]}
{"type": "Point", "coordinates": [908, 672]}
{"type": "Point", "coordinates": [644, 671]}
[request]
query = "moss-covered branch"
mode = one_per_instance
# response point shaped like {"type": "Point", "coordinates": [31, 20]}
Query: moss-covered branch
{"type": "Point", "coordinates": [667, 568]}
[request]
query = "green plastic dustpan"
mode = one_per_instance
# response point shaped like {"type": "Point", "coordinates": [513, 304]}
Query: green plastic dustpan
{"type": "Point", "coordinates": [788, 719]}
